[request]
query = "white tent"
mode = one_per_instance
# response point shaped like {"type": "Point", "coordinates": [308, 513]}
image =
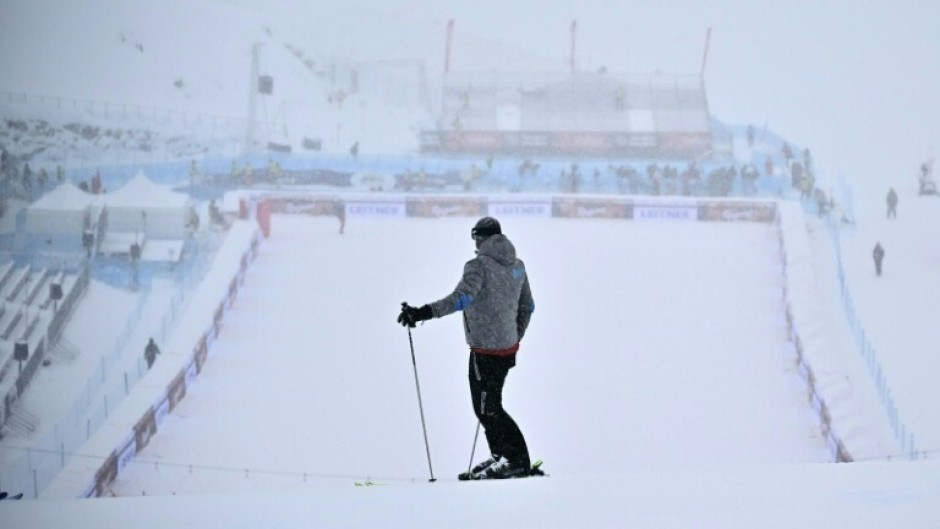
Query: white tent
{"type": "Point", "coordinates": [63, 211]}
{"type": "Point", "coordinates": [145, 207]}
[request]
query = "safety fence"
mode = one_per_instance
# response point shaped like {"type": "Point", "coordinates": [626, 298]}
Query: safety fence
{"type": "Point", "coordinates": [902, 432]}
{"type": "Point", "coordinates": [113, 379]}
{"type": "Point", "coordinates": [803, 325]}
{"type": "Point", "coordinates": [108, 451]}
{"type": "Point", "coordinates": [139, 114]}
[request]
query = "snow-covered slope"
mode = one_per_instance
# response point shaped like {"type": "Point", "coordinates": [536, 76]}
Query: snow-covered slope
{"type": "Point", "coordinates": [184, 69]}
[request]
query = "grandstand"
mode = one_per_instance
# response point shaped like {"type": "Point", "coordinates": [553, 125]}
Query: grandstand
{"type": "Point", "coordinates": [35, 303]}
{"type": "Point", "coordinates": [578, 113]}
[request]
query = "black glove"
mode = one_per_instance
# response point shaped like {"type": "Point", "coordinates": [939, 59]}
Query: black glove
{"type": "Point", "coordinates": [411, 315]}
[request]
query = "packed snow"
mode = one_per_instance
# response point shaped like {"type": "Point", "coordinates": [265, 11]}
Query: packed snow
{"type": "Point", "coordinates": [657, 381]}
{"type": "Point", "coordinates": [309, 388]}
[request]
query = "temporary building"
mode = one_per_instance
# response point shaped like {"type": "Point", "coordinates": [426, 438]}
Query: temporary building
{"type": "Point", "coordinates": [144, 207]}
{"type": "Point", "coordinates": [66, 210]}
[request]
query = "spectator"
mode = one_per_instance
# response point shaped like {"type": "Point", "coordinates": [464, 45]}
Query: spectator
{"type": "Point", "coordinates": [28, 181]}
{"type": "Point", "coordinates": [42, 178]}
{"type": "Point", "coordinates": [750, 136]}
{"type": "Point", "coordinates": [822, 203]}
{"type": "Point", "coordinates": [274, 172]}
{"type": "Point", "coordinates": [879, 254]}
{"type": "Point", "coordinates": [926, 184]}
{"type": "Point", "coordinates": [96, 183]}
{"type": "Point", "coordinates": [215, 215]}
{"type": "Point", "coordinates": [150, 353]}
{"type": "Point", "coordinates": [892, 203]}
{"type": "Point", "coordinates": [339, 207]}
{"type": "Point", "coordinates": [248, 174]}
{"type": "Point", "coordinates": [787, 152]}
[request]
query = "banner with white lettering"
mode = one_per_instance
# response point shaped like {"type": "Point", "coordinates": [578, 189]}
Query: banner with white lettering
{"type": "Point", "coordinates": [444, 207]}
{"type": "Point", "coordinates": [591, 208]}
{"type": "Point", "coordinates": [376, 209]}
{"type": "Point", "coordinates": [665, 213]}
{"type": "Point", "coordinates": [528, 209]}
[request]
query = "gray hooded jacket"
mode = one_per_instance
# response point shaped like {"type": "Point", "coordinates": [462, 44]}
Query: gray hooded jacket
{"type": "Point", "coordinates": [494, 296]}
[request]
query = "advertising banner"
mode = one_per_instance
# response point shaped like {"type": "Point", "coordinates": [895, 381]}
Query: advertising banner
{"type": "Point", "coordinates": [192, 370]}
{"type": "Point", "coordinates": [738, 211]}
{"type": "Point", "coordinates": [232, 291]}
{"type": "Point", "coordinates": [145, 428]}
{"type": "Point", "coordinates": [529, 209]}
{"type": "Point", "coordinates": [376, 209]}
{"type": "Point", "coordinates": [581, 141]}
{"type": "Point", "coordinates": [444, 207]}
{"type": "Point", "coordinates": [684, 142]}
{"type": "Point", "coordinates": [591, 208]}
{"type": "Point", "coordinates": [473, 140]}
{"type": "Point", "coordinates": [665, 213]}
{"type": "Point", "coordinates": [217, 319]}
{"type": "Point", "coordinates": [127, 452]}
{"type": "Point", "coordinates": [201, 353]}
{"type": "Point", "coordinates": [535, 140]}
{"type": "Point", "coordinates": [176, 390]}
{"type": "Point", "coordinates": [161, 410]}
{"type": "Point", "coordinates": [637, 140]}
{"type": "Point", "coordinates": [106, 474]}
{"type": "Point", "coordinates": [304, 206]}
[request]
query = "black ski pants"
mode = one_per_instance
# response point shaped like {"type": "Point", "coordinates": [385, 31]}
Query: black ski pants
{"type": "Point", "coordinates": [487, 376]}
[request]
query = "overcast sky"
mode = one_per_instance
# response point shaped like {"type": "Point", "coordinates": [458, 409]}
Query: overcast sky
{"type": "Point", "coordinates": [857, 82]}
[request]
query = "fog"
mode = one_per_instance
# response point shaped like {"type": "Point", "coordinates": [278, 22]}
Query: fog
{"type": "Point", "coordinates": [856, 82]}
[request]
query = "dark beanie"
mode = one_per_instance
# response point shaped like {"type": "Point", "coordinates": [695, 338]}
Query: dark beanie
{"type": "Point", "coordinates": [484, 228]}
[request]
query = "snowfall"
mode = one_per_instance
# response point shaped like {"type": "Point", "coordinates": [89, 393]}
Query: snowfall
{"type": "Point", "coordinates": [659, 380]}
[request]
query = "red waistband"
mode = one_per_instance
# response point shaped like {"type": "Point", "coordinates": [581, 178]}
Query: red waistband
{"type": "Point", "coordinates": [496, 352]}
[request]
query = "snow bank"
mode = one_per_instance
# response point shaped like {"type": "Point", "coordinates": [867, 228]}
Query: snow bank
{"type": "Point", "coordinates": [138, 418]}
{"type": "Point", "coordinates": [848, 429]}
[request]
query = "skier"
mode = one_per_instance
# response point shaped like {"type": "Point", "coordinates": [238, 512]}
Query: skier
{"type": "Point", "coordinates": [879, 254]}
{"type": "Point", "coordinates": [497, 304]}
{"type": "Point", "coordinates": [892, 203]}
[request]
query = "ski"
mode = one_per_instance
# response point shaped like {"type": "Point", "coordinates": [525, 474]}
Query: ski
{"type": "Point", "coordinates": [6, 496]}
{"type": "Point", "coordinates": [368, 483]}
{"type": "Point", "coordinates": [534, 470]}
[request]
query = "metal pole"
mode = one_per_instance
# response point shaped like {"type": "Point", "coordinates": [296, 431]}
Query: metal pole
{"type": "Point", "coordinates": [473, 451]}
{"type": "Point", "coordinates": [424, 428]}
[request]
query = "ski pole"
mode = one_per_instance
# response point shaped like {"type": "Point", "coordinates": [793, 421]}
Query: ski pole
{"type": "Point", "coordinates": [473, 451]}
{"type": "Point", "coordinates": [424, 428]}
{"type": "Point", "coordinates": [476, 369]}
